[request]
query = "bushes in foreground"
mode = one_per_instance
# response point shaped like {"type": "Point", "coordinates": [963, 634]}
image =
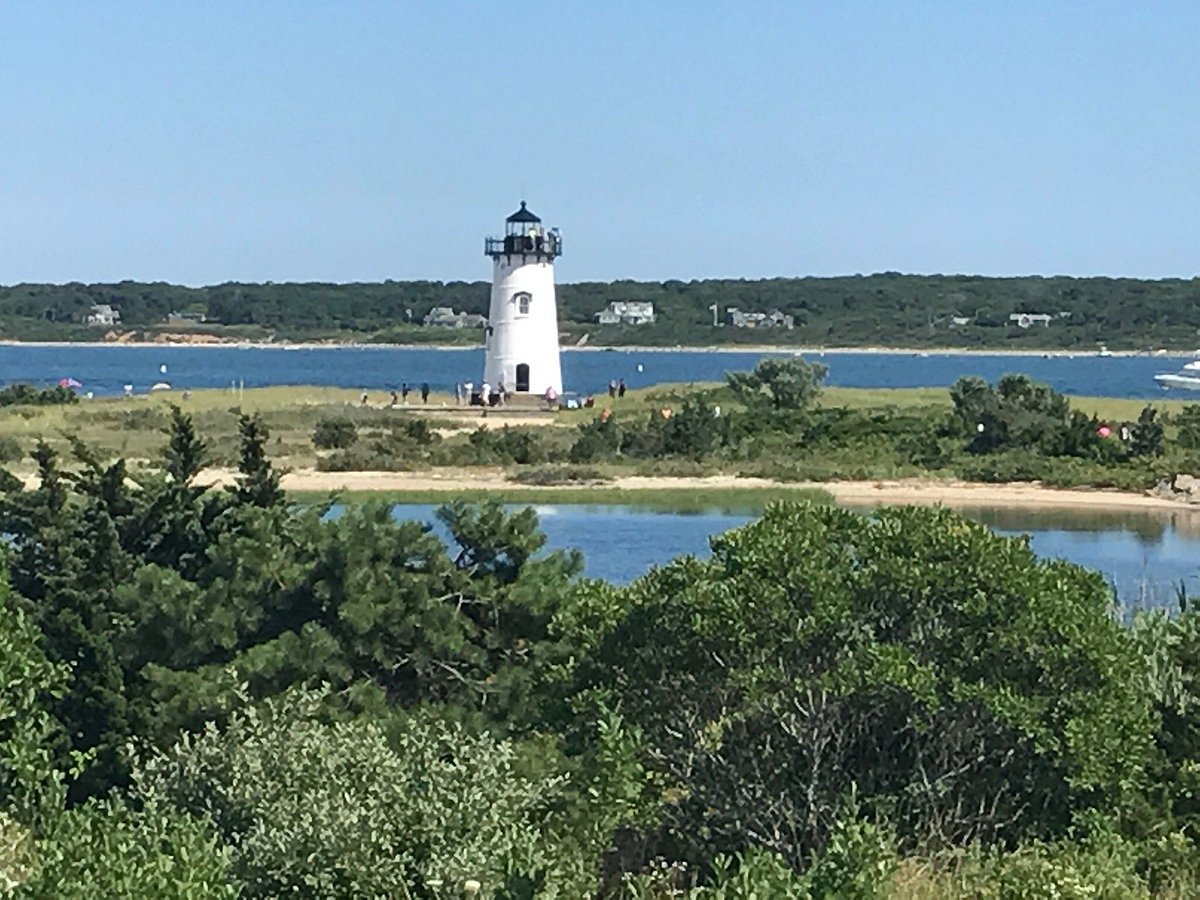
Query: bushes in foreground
{"type": "Point", "coordinates": [212, 692]}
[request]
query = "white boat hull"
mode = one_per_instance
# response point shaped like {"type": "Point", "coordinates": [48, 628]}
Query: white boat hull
{"type": "Point", "coordinates": [1183, 382]}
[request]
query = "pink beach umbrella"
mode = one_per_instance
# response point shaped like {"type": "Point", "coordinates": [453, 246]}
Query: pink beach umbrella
{"type": "Point", "coordinates": [69, 383]}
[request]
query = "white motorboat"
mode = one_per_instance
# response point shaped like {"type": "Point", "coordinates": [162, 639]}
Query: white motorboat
{"type": "Point", "coordinates": [1187, 378]}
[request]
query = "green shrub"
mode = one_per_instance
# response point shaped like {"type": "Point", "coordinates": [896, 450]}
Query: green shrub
{"type": "Point", "coordinates": [142, 419]}
{"type": "Point", "coordinates": [416, 430]}
{"type": "Point", "coordinates": [1188, 422]}
{"type": "Point", "coordinates": [1147, 436]}
{"type": "Point", "coordinates": [552, 475]}
{"type": "Point", "coordinates": [1098, 869]}
{"type": "Point", "coordinates": [752, 875]}
{"type": "Point", "coordinates": [318, 809]}
{"type": "Point", "coordinates": [598, 439]}
{"type": "Point", "coordinates": [10, 449]}
{"type": "Point", "coordinates": [334, 434]}
{"type": "Point", "coordinates": [28, 395]}
{"type": "Point", "coordinates": [506, 445]}
{"type": "Point", "coordinates": [856, 863]}
{"type": "Point", "coordinates": [111, 849]}
{"type": "Point", "coordinates": [969, 689]}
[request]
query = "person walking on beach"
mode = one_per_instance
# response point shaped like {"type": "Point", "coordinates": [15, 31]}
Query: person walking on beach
{"type": "Point", "coordinates": [485, 394]}
{"type": "Point", "coordinates": [424, 391]}
{"type": "Point", "coordinates": [395, 400]}
{"type": "Point", "coordinates": [364, 398]}
{"type": "Point", "coordinates": [612, 388]}
{"type": "Point", "coordinates": [404, 389]}
{"type": "Point", "coordinates": [468, 392]}
{"type": "Point", "coordinates": [621, 388]}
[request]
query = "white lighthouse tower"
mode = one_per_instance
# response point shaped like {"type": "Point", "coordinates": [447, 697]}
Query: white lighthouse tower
{"type": "Point", "coordinates": [522, 334]}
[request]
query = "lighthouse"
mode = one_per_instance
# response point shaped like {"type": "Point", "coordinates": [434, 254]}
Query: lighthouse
{"type": "Point", "coordinates": [521, 350]}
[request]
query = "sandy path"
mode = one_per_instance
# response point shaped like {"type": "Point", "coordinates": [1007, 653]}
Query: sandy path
{"type": "Point", "coordinates": [948, 493]}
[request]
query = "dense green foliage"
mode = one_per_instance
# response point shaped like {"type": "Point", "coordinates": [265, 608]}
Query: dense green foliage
{"type": "Point", "coordinates": [27, 395]}
{"type": "Point", "coordinates": [212, 692]}
{"type": "Point", "coordinates": [766, 423]}
{"type": "Point", "coordinates": [887, 309]}
{"type": "Point", "coordinates": [366, 808]}
{"type": "Point", "coordinates": [962, 687]}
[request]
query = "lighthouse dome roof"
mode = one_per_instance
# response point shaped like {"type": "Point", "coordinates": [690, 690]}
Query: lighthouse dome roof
{"type": "Point", "coordinates": [522, 215]}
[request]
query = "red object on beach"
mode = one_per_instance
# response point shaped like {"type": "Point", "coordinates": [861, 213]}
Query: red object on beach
{"type": "Point", "coordinates": [1104, 431]}
{"type": "Point", "coordinates": [69, 383]}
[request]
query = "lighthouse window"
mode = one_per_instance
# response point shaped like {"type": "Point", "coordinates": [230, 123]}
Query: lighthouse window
{"type": "Point", "coordinates": [522, 304]}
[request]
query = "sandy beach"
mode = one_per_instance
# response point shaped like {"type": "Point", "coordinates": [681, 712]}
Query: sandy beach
{"type": "Point", "coordinates": [851, 493]}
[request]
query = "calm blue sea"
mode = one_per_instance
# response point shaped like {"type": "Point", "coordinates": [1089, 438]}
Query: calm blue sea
{"type": "Point", "coordinates": [106, 369]}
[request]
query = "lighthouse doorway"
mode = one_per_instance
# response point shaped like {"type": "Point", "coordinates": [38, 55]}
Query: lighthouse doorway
{"type": "Point", "coordinates": [523, 377]}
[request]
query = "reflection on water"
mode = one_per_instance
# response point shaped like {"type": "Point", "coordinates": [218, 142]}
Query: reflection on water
{"type": "Point", "coordinates": [1151, 523]}
{"type": "Point", "coordinates": [1146, 556]}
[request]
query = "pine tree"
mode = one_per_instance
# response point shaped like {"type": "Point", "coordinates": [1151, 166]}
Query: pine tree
{"type": "Point", "coordinates": [259, 482]}
{"type": "Point", "coordinates": [1147, 436]}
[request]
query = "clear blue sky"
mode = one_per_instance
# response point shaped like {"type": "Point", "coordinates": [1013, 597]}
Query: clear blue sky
{"type": "Point", "coordinates": [205, 142]}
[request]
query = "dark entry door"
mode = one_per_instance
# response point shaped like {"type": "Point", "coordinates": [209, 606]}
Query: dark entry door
{"type": "Point", "coordinates": [522, 376]}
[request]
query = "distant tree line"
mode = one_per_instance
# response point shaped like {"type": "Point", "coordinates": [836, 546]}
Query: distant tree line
{"type": "Point", "coordinates": [888, 308]}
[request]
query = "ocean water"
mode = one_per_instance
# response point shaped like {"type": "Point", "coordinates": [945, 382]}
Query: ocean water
{"type": "Point", "coordinates": [105, 370]}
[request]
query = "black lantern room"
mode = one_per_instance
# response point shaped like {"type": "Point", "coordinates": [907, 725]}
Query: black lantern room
{"type": "Point", "coordinates": [524, 235]}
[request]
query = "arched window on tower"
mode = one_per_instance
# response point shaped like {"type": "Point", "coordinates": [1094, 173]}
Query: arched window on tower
{"type": "Point", "coordinates": [522, 303]}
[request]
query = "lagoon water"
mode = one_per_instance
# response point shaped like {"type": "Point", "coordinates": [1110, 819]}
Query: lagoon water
{"type": "Point", "coordinates": [1145, 556]}
{"type": "Point", "coordinates": [106, 369]}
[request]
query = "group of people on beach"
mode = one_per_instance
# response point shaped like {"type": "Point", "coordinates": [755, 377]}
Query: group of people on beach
{"type": "Point", "coordinates": [401, 398]}
{"type": "Point", "coordinates": [466, 395]}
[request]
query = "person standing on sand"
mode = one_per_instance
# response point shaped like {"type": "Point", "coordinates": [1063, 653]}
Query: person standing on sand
{"type": "Point", "coordinates": [395, 401]}
{"type": "Point", "coordinates": [612, 388]}
{"type": "Point", "coordinates": [364, 398]}
{"type": "Point", "coordinates": [424, 391]}
{"type": "Point", "coordinates": [468, 391]}
{"type": "Point", "coordinates": [621, 388]}
{"type": "Point", "coordinates": [485, 394]}
{"type": "Point", "coordinates": [404, 389]}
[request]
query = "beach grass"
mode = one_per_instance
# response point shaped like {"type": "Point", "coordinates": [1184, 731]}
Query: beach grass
{"type": "Point", "coordinates": [133, 427]}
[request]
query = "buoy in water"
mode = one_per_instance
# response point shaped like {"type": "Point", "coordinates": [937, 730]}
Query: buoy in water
{"type": "Point", "coordinates": [163, 368]}
{"type": "Point", "coordinates": [639, 367]}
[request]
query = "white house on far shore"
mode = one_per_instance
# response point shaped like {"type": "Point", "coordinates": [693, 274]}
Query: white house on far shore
{"type": "Point", "coordinates": [1025, 320]}
{"type": "Point", "coordinates": [627, 312]}
{"type": "Point", "coordinates": [103, 316]}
